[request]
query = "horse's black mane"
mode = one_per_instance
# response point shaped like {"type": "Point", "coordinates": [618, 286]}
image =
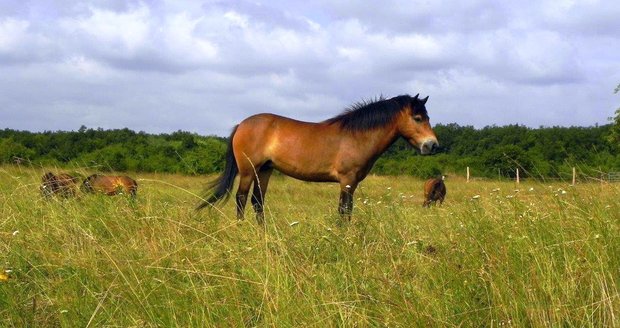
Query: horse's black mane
{"type": "Point", "coordinates": [370, 114]}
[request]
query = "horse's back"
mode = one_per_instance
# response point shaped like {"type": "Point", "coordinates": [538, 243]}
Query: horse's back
{"type": "Point", "coordinates": [113, 184]}
{"type": "Point", "coordinates": [268, 125]}
{"type": "Point", "coordinates": [291, 146]}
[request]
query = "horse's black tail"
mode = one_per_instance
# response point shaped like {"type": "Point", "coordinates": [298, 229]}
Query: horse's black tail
{"type": "Point", "coordinates": [220, 188]}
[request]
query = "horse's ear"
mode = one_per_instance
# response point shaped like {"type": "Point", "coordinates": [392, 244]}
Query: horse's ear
{"type": "Point", "coordinates": [416, 97]}
{"type": "Point", "coordinates": [424, 100]}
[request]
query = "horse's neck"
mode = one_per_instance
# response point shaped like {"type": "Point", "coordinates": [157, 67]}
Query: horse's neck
{"type": "Point", "coordinates": [376, 142]}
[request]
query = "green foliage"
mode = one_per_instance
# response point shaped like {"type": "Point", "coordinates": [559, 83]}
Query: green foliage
{"type": "Point", "coordinates": [546, 152]}
{"type": "Point", "coordinates": [614, 133]}
{"type": "Point", "coordinates": [116, 150]}
{"type": "Point", "coordinates": [507, 159]}
{"type": "Point", "coordinates": [11, 151]}
{"type": "Point", "coordinates": [539, 153]}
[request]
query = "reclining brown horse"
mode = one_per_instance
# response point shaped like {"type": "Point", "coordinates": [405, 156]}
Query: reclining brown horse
{"type": "Point", "coordinates": [110, 185]}
{"type": "Point", "coordinates": [434, 190]}
{"type": "Point", "coordinates": [62, 184]}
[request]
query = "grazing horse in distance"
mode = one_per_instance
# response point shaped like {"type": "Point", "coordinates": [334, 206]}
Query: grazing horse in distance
{"type": "Point", "coordinates": [110, 185]}
{"type": "Point", "coordinates": [62, 184]}
{"type": "Point", "coordinates": [342, 149]}
{"type": "Point", "coordinates": [434, 190]}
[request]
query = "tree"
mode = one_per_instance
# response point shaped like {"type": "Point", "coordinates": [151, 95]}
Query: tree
{"type": "Point", "coordinates": [614, 135]}
{"type": "Point", "coordinates": [11, 150]}
{"type": "Point", "coordinates": [506, 159]}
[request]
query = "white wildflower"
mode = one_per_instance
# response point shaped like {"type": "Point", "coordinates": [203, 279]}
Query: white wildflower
{"type": "Point", "coordinates": [15, 232]}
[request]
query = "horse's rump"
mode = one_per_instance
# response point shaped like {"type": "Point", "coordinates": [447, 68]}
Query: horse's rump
{"type": "Point", "coordinates": [434, 190]}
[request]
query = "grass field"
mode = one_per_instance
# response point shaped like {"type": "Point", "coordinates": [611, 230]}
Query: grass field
{"type": "Point", "coordinates": [547, 255]}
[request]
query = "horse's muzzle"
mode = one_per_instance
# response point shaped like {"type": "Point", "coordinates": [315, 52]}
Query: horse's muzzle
{"type": "Point", "coordinates": [429, 146]}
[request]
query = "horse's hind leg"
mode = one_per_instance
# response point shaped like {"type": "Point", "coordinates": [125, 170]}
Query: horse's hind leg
{"type": "Point", "coordinates": [258, 194]}
{"type": "Point", "coordinates": [245, 181]}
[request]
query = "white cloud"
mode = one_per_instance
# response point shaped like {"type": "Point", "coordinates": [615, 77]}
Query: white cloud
{"type": "Point", "coordinates": [11, 32]}
{"type": "Point", "coordinates": [203, 66]}
{"type": "Point", "coordinates": [180, 40]}
{"type": "Point", "coordinates": [115, 34]}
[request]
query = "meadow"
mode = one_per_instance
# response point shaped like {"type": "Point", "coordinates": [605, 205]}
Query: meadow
{"type": "Point", "coordinates": [496, 254]}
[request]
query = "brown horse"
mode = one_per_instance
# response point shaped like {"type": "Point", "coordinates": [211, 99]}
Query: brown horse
{"type": "Point", "coordinates": [62, 184]}
{"type": "Point", "coordinates": [110, 185]}
{"type": "Point", "coordinates": [434, 190]}
{"type": "Point", "coordinates": [342, 149]}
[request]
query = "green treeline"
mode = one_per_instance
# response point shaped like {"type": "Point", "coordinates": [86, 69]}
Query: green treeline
{"type": "Point", "coordinates": [546, 152]}
{"type": "Point", "coordinates": [489, 152]}
{"type": "Point", "coordinates": [116, 150]}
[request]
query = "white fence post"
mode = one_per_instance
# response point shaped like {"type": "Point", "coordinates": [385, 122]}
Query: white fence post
{"type": "Point", "coordinates": [574, 175]}
{"type": "Point", "coordinates": [518, 176]}
{"type": "Point", "coordinates": [468, 174]}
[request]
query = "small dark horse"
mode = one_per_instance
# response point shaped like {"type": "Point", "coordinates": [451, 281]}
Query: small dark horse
{"type": "Point", "coordinates": [110, 185]}
{"type": "Point", "coordinates": [62, 184]}
{"type": "Point", "coordinates": [342, 149]}
{"type": "Point", "coordinates": [434, 190]}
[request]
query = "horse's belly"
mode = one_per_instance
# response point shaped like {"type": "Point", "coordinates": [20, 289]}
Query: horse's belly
{"type": "Point", "coordinates": [307, 173]}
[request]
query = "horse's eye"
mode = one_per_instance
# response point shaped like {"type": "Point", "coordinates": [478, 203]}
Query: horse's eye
{"type": "Point", "coordinates": [418, 118]}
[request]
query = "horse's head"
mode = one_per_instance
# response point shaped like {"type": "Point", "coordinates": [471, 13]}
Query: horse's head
{"type": "Point", "coordinates": [414, 125]}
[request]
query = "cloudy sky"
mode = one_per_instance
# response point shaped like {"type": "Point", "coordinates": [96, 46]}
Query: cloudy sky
{"type": "Point", "coordinates": [202, 66]}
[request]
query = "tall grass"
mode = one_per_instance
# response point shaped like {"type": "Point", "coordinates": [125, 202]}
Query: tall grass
{"type": "Point", "coordinates": [545, 255]}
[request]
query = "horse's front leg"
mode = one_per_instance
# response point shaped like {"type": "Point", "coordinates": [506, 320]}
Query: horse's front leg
{"type": "Point", "coordinates": [345, 207]}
